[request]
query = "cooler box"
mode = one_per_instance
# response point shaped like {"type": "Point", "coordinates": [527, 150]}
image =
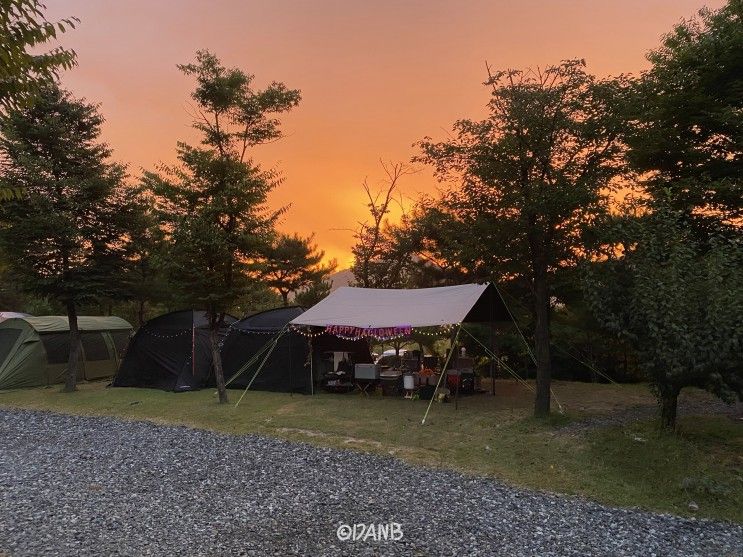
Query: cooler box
{"type": "Point", "coordinates": [369, 372]}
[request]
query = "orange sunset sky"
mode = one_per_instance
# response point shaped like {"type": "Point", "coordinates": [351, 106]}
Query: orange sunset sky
{"type": "Point", "coordinates": [375, 77]}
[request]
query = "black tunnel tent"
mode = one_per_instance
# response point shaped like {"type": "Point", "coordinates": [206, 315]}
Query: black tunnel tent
{"type": "Point", "coordinates": [355, 315]}
{"type": "Point", "coordinates": [287, 367]}
{"type": "Point", "coordinates": [170, 352]}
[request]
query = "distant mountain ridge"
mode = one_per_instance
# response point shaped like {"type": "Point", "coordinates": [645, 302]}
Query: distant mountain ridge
{"type": "Point", "coordinates": [341, 278]}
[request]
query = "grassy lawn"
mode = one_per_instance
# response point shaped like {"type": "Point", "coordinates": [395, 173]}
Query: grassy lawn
{"type": "Point", "coordinates": [631, 465]}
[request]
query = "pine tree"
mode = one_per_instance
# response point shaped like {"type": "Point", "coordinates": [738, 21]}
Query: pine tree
{"type": "Point", "coordinates": [213, 204]}
{"type": "Point", "coordinates": [65, 237]}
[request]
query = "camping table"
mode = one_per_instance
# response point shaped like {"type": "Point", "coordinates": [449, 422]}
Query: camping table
{"type": "Point", "coordinates": [362, 385]}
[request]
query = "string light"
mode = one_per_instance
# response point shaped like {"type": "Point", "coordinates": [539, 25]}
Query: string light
{"type": "Point", "coordinates": [306, 333]}
{"type": "Point", "coordinates": [379, 334]}
{"type": "Point", "coordinates": [174, 335]}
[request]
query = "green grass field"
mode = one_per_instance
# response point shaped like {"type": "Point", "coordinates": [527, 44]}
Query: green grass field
{"type": "Point", "coordinates": [629, 465]}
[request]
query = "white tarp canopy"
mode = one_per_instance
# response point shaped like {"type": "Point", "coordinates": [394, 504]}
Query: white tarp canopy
{"type": "Point", "coordinates": [369, 308]}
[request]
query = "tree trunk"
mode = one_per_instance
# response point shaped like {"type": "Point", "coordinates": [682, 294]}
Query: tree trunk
{"type": "Point", "coordinates": [285, 297]}
{"type": "Point", "coordinates": [495, 348]}
{"type": "Point", "coordinates": [668, 398]}
{"type": "Point", "coordinates": [542, 342]}
{"type": "Point", "coordinates": [72, 363]}
{"type": "Point", "coordinates": [140, 313]}
{"type": "Point", "coordinates": [217, 363]}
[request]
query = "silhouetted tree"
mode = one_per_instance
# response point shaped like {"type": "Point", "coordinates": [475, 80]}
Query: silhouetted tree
{"type": "Point", "coordinates": [213, 205]}
{"type": "Point", "coordinates": [67, 237]}
{"type": "Point", "coordinates": [313, 293]}
{"type": "Point", "coordinates": [687, 133]}
{"type": "Point", "coordinates": [23, 27]}
{"type": "Point", "coordinates": [377, 261]}
{"type": "Point", "coordinates": [679, 307]}
{"type": "Point", "coordinates": [292, 263]}
{"type": "Point", "coordinates": [529, 179]}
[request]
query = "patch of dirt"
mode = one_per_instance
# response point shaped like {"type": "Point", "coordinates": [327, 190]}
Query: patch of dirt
{"type": "Point", "coordinates": [688, 406]}
{"type": "Point", "coordinates": [345, 440]}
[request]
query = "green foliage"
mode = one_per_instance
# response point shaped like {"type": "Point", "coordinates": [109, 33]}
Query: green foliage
{"type": "Point", "coordinates": [689, 116]}
{"type": "Point", "coordinates": [528, 181]}
{"type": "Point", "coordinates": [212, 206]}
{"type": "Point", "coordinates": [13, 298]}
{"type": "Point", "coordinates": [23, 28]}
{"type": "Point", "coordinates": [292, 263]}
{"type": "Point", "coordinates": [679, 306]}
{"type": "Point", "coordinates": [67, 236]}
{"type": "Point", "coordinates": [142, 279]}
{"type": "Point", "coordinates": [258, 298]}
{"type": "Point", "coordinates": [531, 176]}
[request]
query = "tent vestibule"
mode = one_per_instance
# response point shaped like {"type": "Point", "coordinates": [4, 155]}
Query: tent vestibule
{"type": "Point", "coordinates": [287, 366]}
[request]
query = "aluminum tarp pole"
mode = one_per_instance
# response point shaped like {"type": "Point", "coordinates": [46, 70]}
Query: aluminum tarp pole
{"type": "Point", "coordinates": [443, 372]}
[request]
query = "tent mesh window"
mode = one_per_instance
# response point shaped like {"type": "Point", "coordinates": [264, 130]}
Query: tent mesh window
{"type": "Point", "coordinates": [7, 341]}
{"type": "Point", "coordinates": [121, 341]}
{"type": "Point", "coordinates": [57, 346]}
{"type": "Point", "coordinates": [95, 347]}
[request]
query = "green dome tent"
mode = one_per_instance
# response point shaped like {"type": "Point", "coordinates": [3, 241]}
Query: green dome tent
{"type": "Point", "coordinates": [34, 350]}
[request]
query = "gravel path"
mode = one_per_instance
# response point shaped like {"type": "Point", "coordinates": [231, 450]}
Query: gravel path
{"type": "Point", "coordinates": [98, 486]}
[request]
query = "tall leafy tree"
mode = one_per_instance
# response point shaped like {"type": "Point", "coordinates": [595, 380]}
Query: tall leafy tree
{"type": "Point", "coordinates": [66, 237]}
{"type": "Point", "coordinates": [293, 263]}
{"type": "Point", "coordinates": [680, 307]}
{"type": "Point", "coordinates": [143, 278]}
{"type": "Point", "coordinates": [529, 178]}
{"type": "Point", "coordinates": [688, 128]}
{"type": "Point", "coordinates": [213, 204]}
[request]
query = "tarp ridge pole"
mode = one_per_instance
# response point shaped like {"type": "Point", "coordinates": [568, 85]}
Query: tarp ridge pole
{"type": "Point", "coordinates": [312, 371]}
{"type": "Point", "coordinates": [443, 372]}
